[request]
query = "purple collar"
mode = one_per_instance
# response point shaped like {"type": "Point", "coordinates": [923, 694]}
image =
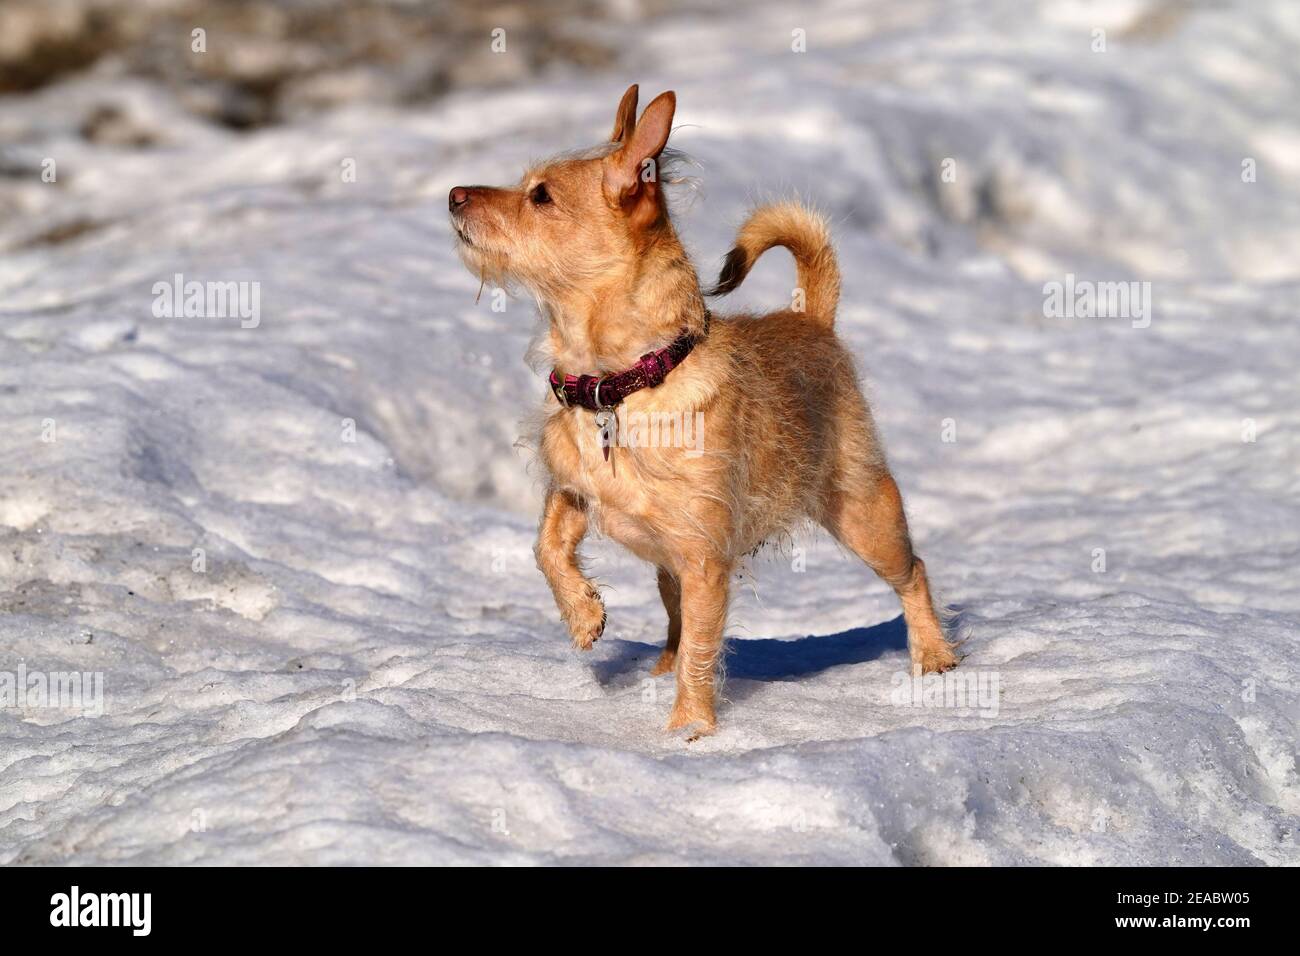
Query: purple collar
{"type": "Point", "coordinates": [601, 392]}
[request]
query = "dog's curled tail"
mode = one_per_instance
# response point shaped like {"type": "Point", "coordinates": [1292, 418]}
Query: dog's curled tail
{"type": "Point", "coordinates": [807, 236]}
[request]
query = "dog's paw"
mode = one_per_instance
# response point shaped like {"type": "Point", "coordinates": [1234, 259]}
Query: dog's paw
{"type": "Point", "coordinates": [694, 714]}
{"type": "Point", "coordinates": [934, 657]}
{"type": "Point", "coordinates": [667, 661]}
{"type": "Point", "coordinates": [586, 621]}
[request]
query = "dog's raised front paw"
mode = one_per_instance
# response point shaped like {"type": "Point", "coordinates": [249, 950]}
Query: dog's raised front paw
{"type": "Point", "coordinates": [586, 621]}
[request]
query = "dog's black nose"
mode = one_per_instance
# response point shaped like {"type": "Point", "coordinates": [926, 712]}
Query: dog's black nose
{"type": "Point", "coordinates": [457, 198]}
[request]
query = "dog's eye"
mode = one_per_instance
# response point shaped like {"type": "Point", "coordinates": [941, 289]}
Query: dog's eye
{"type": "Point", "coordinates": [539, 195]}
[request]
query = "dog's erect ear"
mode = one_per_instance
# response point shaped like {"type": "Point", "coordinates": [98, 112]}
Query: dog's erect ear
{"type": "Point", "coordinates": [625, 118]}
{"type": "Point", "coordinates": [632, 171]}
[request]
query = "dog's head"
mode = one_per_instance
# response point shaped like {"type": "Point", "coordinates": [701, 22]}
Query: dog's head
{"type": "Point", "coordinates": [574, 219]}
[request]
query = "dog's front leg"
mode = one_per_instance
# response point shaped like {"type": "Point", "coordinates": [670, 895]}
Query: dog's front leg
{"type": "Point", "coordinates": [564, 523]}
{"type": "Point", "coordinates": [704, 597]}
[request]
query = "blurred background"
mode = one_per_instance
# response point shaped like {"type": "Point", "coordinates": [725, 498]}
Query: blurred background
{"type": "Point", "coordinates": [1026, 86]}
{"type": "Point", "coordinates": [278, 60]}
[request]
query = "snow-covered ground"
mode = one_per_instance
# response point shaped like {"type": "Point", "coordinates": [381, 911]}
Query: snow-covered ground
{"type": "Point", "coordinates": [299, 554]}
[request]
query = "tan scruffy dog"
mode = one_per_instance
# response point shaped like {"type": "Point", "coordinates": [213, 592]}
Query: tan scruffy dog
{"type": "Point", "coordinates": [788, 435]}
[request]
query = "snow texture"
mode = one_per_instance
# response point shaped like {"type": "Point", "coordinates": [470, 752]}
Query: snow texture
{"type": "Point", "coordinates": [367, 667]}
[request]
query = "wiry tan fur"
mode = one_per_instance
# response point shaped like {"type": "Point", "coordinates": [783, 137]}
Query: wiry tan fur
{"type": "Point", "coordinates": [788, 435]}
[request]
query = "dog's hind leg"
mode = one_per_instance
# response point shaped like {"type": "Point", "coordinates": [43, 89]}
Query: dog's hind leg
{"type": "Point", "coordinates": [866, 515]}
{"type": "Point", "coordinates": [671, 593]}
{"type": "Point", "coordinates": [564, 523]}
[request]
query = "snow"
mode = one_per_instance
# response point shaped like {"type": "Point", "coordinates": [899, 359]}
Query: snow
{"type": "Point", "coordinates": [369, 669]}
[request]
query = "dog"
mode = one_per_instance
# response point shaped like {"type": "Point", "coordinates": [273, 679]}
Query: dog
{"type": "Point", "coordinates": [790, 436]}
